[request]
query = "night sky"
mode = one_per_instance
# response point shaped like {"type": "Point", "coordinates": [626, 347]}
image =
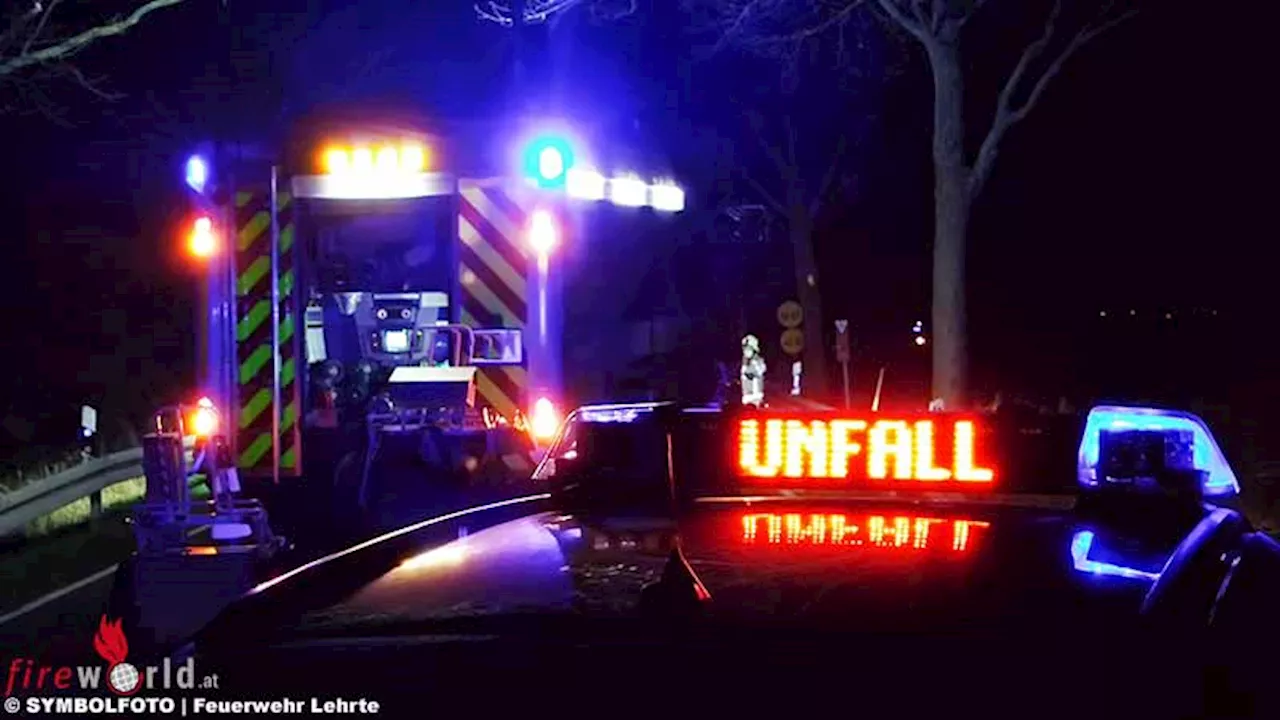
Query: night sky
{"type": "Point", "coordinates": [1137, 185]}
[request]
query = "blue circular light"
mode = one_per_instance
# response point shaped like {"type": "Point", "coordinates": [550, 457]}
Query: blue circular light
{"type": "Point", "coordinates": [547, 161]}
{"type": "Point", "coordinates": [550, 163]}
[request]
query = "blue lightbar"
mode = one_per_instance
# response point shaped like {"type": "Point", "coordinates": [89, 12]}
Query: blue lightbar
{"type": "Point", "coordinates": [1207, 457]}
{"type": "Point", "coordinates": [1082, 543]}
{"type": "Point", "coordinates": [629, 412]}
{"type": "Point", "coordinates": [618, 413]}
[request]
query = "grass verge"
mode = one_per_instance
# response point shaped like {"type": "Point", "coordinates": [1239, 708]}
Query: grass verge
{"type": "Point", "coordinates": [67, 545]}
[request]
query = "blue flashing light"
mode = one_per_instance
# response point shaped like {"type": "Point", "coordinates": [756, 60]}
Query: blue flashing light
{"type": "Point", "coordinates": [197, 173]}
{"type": "Point", "coordinates": [1205, 455]}
{"type": "Point", "coordinates": [611, 415]}
{"type": "Point", "coordinates": [630, 412]}
{"type": "Point", "coordinates": [1082, 543]}
{"type": "Point", "coordinates": [548, 161]}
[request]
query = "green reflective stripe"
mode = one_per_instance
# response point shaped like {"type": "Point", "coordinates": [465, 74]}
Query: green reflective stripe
{"type": "Point", "coordinates": [253, 365]}
{"type": "Point", "coordinates": [253, 454]}
{"type": "Point", "coordinates": [288, 458]}
{"type": "Point", "coordinates": [287, 371]}
{"type": "Point", "coordinates": [253, 320]}
{"type": "Point", "coordinates": [254, 229]}
{"type": "Point", "coordinates": [243, 198]}
{"type": "Point", "coordinates": [286, 238]}
{"type": "Point", "coordinates": [257, 270]}
{"type": "Point", "coordinates": [262, 398]}
{"type": "Point", "coordinates": [286, 283]}
{"type": "Point", "coordinates": [252, 274]}
{"type": "Point", "coordinates": [257, 404]}
{"type": "Point", "coordinates": [258, 359]}
{"type": "Point", "coordinates": [289, 416]}
{"type": "Point", "coordinates": [261, 310]}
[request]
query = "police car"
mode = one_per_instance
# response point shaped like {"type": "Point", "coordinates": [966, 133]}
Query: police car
{"type": "Point", "coordinates": [687, 559]}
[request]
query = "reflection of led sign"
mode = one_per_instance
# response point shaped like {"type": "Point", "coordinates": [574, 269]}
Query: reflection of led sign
{"type": "Point", "coordinates": [877, 531]}
{"type": "Point", "coordinates": [841, 448]}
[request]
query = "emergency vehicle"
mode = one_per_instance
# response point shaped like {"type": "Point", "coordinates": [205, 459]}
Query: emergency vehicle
{"type": "Point", "coordinates": [363, 290]}
{"type": "Point", "coordinates": [689, 559]}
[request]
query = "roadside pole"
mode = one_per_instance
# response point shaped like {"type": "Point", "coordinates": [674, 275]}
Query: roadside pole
{"type": "Point", "coordinates": [842, 355]}
{"type": "Point", "coordinates": [875, 401]}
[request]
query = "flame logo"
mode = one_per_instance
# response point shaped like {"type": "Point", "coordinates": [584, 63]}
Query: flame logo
{"type": "Point", "coordinates": [109, 642]}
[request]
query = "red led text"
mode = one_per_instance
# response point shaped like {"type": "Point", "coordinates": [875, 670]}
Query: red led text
{"type": "Point", "coordinates": [876, 531]}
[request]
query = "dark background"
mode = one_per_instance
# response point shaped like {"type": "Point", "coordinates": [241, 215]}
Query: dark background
{"type": "Point", "coordinates": [1137, 188]}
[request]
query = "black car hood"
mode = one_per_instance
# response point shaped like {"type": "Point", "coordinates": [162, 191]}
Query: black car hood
{"type": "Point", "coordinates": [833, 567]}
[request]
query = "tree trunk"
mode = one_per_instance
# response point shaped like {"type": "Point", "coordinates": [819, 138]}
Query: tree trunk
{"type": "Point", "coordinates": [951, 202]}
{"type": "Point", "coordinates": [806, 267]}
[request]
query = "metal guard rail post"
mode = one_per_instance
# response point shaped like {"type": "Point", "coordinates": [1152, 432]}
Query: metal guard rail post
{"type": "Point", "coordinates": [24, 505]}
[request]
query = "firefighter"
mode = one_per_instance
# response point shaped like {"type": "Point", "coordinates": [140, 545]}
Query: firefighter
{"type": "Point", "coordinates": [752, 372]}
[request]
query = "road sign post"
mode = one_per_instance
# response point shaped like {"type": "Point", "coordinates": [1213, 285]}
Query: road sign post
{"type": "Point", "coordinates": [790, 314]}
{"type": "Point", "coordinates": [842, 355]}
{"type": "Point", "coordinates": [875, 399]}
{"type": "Point", "coordinates": [792, 341]}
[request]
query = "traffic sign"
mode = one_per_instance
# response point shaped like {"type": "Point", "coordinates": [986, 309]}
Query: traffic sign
{"type": "Point", "coordinates": [792, 341]}
{"type": "Point", "coordinates": [790, 314]}
{"type": "Point", "coordinates": [842, 355]}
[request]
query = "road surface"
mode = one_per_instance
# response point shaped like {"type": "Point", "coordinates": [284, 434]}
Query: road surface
{"type": "Point", "coordinates": [58, 628]}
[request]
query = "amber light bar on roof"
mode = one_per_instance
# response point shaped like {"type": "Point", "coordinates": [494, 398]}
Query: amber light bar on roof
{"type": "Point", "coordinates": [873, 452]}
{"type": "Point", "coordinates": [373, 171]}
{"type": "Point", "coordinates": [905, 532]}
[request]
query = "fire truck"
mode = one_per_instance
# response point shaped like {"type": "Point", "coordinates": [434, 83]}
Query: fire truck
{"type": "Point", "coordinates": [379, 286]}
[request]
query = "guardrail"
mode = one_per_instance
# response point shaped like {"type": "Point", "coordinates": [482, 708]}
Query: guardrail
{"type": "Point", "coordinates": [24, 505]}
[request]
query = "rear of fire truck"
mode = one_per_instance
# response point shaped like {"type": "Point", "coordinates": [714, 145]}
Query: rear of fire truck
{"type": "Point", "coordinates": [379, 311]}
{"type": "Point", "coordinates": [384, 329]}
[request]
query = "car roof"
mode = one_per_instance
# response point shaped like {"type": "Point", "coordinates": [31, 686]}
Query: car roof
{"type": "Point", "coordinates": [833, 566]}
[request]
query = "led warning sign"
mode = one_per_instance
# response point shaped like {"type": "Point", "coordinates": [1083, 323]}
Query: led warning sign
{"type": "Point", "coordinates": [882, 452]}
{"type": "Point", "coordinates": [870, 531]}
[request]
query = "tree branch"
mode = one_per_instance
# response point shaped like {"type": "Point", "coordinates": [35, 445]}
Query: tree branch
{"type": "Point", "coordinates": [935, 15]}
{"type": "Point", "coordinates": [1007, 113]}
{"type": "Point", "coordinates": [44, 20]}
{"type": "Point", "coordinates": [906, 22]}
{"type": "Point", "coordinates": [974, 9]}
{"type": "Point", "coordinates": [67, 47]}
{"type": "Point", "coordinates": [784, 168]}
{"type": "Point", "coordinates": [90, 84]}
{"type": "Point", "coordinates": [1081, 39]}
{"type": "Point", "coordinates": [815, 204]}
{"type": "Point", "coordinates": [733, 32]}
{"type": "Point", "coordinates": [770, 27]}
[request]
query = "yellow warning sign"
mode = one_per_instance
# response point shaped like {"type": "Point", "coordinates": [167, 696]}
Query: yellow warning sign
{"type": "Point", "coordinates": [790, 314]}
{"type": "Point", "coordinates": [792, 341]}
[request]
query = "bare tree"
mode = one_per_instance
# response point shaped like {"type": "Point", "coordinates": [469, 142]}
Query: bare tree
{"type": "Point", "coordinates": [787, 189]}
{"type": "Point", "coordinates": [533, 12]}
{"type": "Point", "coordinates": [803, 160]}
{"type": "Point", "coordinates": [39, 40]}
{"type": "Point", "coordinates": [785, 26]}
